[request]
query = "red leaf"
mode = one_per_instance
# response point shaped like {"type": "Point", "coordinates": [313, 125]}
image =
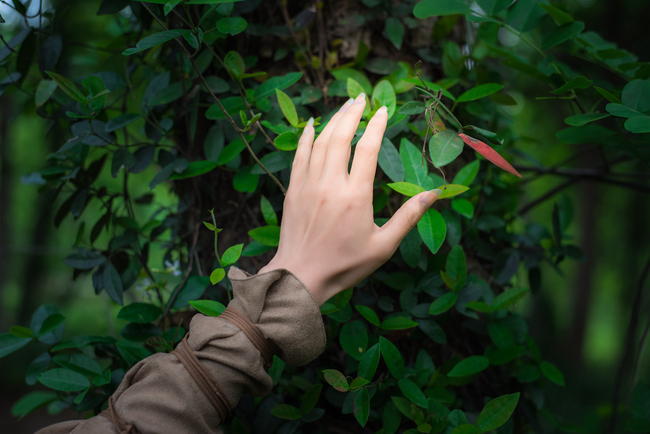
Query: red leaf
{"type": "Point", "coordinates": [488, 153]}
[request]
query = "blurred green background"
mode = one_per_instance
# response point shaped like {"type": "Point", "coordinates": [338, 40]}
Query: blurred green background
{"type": "Point", "coordinates": [580, 316]}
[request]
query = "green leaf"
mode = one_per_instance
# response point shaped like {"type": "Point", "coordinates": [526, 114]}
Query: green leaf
{"type": "Point", "coordinates": [508, 297]}
{"type": "Point", "coordinates": [551, 372]}
{"type": "Point", "coordinates": [390, 162]}
{"type": "Point", "coordinates": [132, 352]}
{"type": "Point", "coordinates": [444, 147]}
{"type": "Point", "coordinates": [286, 411]}
{"type": "Point", "coordinates": [217, 275]}
{"type": "Point", "coordinates": [113, 284]}
{"type": "Point", "coordinates": [10, 343]}
{"type": "Point", "coordinates": [415, 167]}
{"type": "Point", "coordinates": [479, 92]}
{"type": "Point", "coordinates": [502, 356]}
{"type": "Point", "coordinates": [406, 188]}
{"type": "Point", "coordinates": [21, 332]}
{"type": "Point", "coordinates": [451, 190]}
{"type": "Point", "coordinates": [463, 207]}
{"type": "Point", "coordinates": [501, 335]}
{"type": "Point", "coordinates": [44, 91]}
{"type": "Point", "coordinates": [193, 290]}
{"type": "Point", "coordinates": [412, 108]}
{"type": "Point", "coordinates": [208, 307]}
{"type": "Point", "coordinates": [493, 7]}
{"type": "Point", "coordinates": [336, 380]}
{"type": "Point", "coordinates": [195, 168]}
{"type": "Point", "coordinates": [286, 141]}
{"type": "Point", "coordinates": [79, 363]}
{"type": "Point", "coordinates": [270, 217]}
{"type": "Point", "coordinates": [168, 94]}
{"type": "Point", "coordinates": [368, 314]}
{"type": "Point", "coordinates": [497, 412]}
{"type": "Point", "coordinates": [310, 398]}
{"type": "Point", "coordinates": [84, 260]}
{"type": "Point", "coordinates": [583, 119]}
{"type": "Point", "coordinates": [232, 25]}
{"type": "Point", "coordinates": [622, 111]}
{"type": "Point", "coordinates": [384, 94]}
{"type": "Point", "coordinates": [413, 392]}
{"type": "Point", "coordinates": [480, 306]}
{"type": "Point", "coordinates": [234, 63]}
{"type": "Point", "coordinates": [231, 255]}
{"type": "Point", "coordinates": [287, 107]}
{"type": "Point", "coordinates": [31, 402]}
{"type": "Point", "coordinates": [232, 105]}
{"type": "Point", "coordinates": [394, 29]}
{"type": "Point", "coordinates": [467, 174]}
{"type": "Point", "coordinates": [398, 323]}
{"type": "Point", "coordinates": [575, 83]}
{"type": "Point", "coordinates": [561, 34]}
{"type": "Point", "coordinates": [231, 151]}
{"type": "Point", "coordinates": [68, 87]}
{"type": "Point", "coordinates": [392, 357]}
{"type": "Point", "coordinates": [443, 303]}
{"type": "Point", "coordinates": [456, 268]}
{"type": "Point", "coordinates": [433, 229]}
{"type": "Point", "coordinates": [369, 362]}
{"type": "Point", "coordinates": [638, 124]}
{"type": "Point", "coordinates": [361, 406]}
{"type": "Point", "coordinates": [51, 322]}
{"type": "Point", "coordinates": [358, 383]}
{"type": "Point", "coordinates": [357, 76]}
{"type": "Point", "coordinates": [636, 95]}
{"type": "Point", "coordinates": [121, 121]}
{"type": "Point", "coordinates": [269, 87]}
{"type": "Point", "coordinates": [141, 313]}
{"type": "Point", "coordinates": [156, 39]}
{"type": "Point", "coordinates": [433, 8]}
{"type": "Point", "coordinates": [608, 95]}
{"type": "Point", "coordinates": [170, 5]}
{"type": "Point", "coordinates": [469, 366]}
{"type": "Point", "coordinates": [559, 16]}
{"type": "Point", "coordinates": [354, 339]}
{"type": "Point", "coordinates": [266, 235]}
{"type": "Point", "coordinates": [274, 162]}
{"type": "Point", "coordinates": [64, 380]}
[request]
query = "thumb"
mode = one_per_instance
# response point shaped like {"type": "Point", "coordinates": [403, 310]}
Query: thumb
{"type": "Point", "coordinates": [408, 216]}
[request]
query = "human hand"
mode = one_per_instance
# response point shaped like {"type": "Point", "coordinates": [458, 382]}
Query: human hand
{"type": "Point", "coordinates": [328, 237]}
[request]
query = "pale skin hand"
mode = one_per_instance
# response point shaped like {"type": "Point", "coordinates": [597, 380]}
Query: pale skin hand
{"type": "Point", "coordinates": [328, 237]}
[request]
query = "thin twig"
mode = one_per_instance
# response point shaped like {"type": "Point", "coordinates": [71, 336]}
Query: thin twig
{"type": "Point", "coordinates": [546, 196]}
{"type": "Point", "coordinates": [187, 274]}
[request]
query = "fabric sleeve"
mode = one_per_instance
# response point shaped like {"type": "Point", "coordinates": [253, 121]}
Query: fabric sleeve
{"type": "Point", "coordinates": [158, 395]}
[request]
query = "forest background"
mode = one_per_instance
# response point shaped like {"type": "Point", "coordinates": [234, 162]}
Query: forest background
{"type": "Point", "coordinates": [580, 311]}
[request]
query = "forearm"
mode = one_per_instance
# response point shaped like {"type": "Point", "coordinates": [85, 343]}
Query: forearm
{"type": "Point", "coordinates": [159, 395]}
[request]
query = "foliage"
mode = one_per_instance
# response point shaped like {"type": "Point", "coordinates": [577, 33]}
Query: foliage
{"type": "Point", "coordinates": [428, 343]}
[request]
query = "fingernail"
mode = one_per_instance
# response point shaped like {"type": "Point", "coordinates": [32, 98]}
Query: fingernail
{"type": "Point", "coordinates": [347, 105]}
{"type": "Point", "coordinates": [383, 109]}
{"type": "Point", "coordinates": [361, 98]}
{"type": "Point", "coordinates": [310, 122]}
{"type": "Point", "coordinates": [430, 197]}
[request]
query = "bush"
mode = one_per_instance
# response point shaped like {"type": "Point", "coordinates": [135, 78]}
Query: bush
{"type": "Point", "coordinates": [186, 123]}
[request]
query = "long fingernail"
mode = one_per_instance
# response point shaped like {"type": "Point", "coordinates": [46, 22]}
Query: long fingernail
{"type": "Point", "coordinates": [430, 197]}
{"type": "Point", "coordinates": [382, 109]}
{"type": "Point", "coordinates": [347, 105]}
{"type": "Point", "coordinates": [361, 98]}
{"type": "Point", "coordinates": [310, 122]}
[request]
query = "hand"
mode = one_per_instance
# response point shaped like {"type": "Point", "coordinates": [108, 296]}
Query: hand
{"type": "Point", "coordinates": [328, 238]}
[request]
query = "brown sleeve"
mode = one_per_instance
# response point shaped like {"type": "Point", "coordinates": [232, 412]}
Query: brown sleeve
{"type": "Point", "coordinates": [158, 394]}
